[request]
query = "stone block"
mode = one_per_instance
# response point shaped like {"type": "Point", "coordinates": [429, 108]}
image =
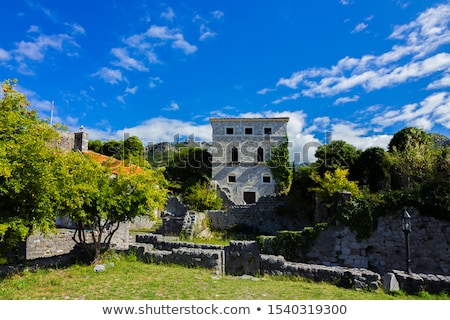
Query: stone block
{"type": "Point", "coordinates": [390, 282]}
{"type": "Point", "coordinates": [242, 257]}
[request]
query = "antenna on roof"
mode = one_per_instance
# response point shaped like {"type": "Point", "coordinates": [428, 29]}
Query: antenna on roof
{"type": "Point", "coordinates": [51, 114]}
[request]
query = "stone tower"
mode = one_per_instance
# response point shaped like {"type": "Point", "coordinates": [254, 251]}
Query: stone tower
{"type": "Point", "coordinates": [240, 149]}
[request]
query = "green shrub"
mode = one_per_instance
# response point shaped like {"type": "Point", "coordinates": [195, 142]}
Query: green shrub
{"type": "Point", "coordinates": [292, 243]}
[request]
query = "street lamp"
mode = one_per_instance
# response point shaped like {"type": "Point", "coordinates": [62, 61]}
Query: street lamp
{"type": "Point", "coordinates": [406, 228]}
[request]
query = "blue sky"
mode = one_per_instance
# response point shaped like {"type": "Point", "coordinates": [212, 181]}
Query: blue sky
{"type": "Point", "coordinates": [359, 69]}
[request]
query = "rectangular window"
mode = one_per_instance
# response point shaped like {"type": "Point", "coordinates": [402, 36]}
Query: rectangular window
{"type": "Point", "coordinates": [248, 130]}
{"type": "Point", "coordinates": [266, 179]}
{"type": "Point", "coordinates": [249, 197]}
{"type": "Point", "coordinates": [231, 178]}
{"type": "Point", "coordinates": [230, 131]}
{"type": "Point", "coordinates": [267, 130]}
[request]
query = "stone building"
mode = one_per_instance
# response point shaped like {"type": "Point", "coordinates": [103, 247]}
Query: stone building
{"type": "Point", "coordinates": [240, 149]}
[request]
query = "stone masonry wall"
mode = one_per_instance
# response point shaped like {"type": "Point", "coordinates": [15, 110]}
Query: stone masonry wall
{"type": "Point", "coordinates": [43, 246]}
{"type": "Point", "coordinates": [261, 216]}
{"type": "Point", "coordinates": [385, 249]}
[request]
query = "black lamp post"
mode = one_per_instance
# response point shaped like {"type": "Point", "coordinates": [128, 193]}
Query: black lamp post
{"type": "Point", "coordinates": [406, 228]}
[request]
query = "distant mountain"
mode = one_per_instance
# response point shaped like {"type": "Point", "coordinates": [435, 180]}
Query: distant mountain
{"type": "Point", "coordinates": [440, 140]}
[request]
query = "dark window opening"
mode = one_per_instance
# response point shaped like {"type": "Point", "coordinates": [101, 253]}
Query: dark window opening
{"type": "Point", "coordinates": [266, 179]}
{"type": "Point", "coordinates": [267, 130]}
{"type": "Point", "coordinates": [260, 154]}
{"type": "Point", "coordinates": [231, 178]}
{"type": "Point", "coordinates": [230, 131]}
{"type": "Point", "coordinates": [234, 154]}
{"type": "Point", "coordinates": [248, 130]}
{"type": "Point", "coordinates": [249, 197]}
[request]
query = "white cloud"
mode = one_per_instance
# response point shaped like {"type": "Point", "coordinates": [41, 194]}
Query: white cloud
{"type": "Point", "coordinates": [174, 35]}
{"type": "Point", "coordinates": [293, 96]}
{"type": "Point", "coordinates": [360, 27]}
{"type": "Point", "coordinates": [265, 90]}
{"type": "Point", "coordinates": [161, 129]}
{"type": "Point", "coordinates": [125, 61]}
{"type": "Point", "coordinates": [4, 55]}
{"type": "Point", "coordinates": [206, 33]}
{"type": "Point", "coordinates": [434, 108]}
{"type": "Point", "coordinates": [154, 81]}
{"type": "Point", "coordinates": [112, 76]}
{"type": "Point", "coordinates": [416, 41]}
{"type": "Point", "coordinates": [172, 107]}
{"type": "Point", "coordinates": [35, 50]}
{"type": "Point", "coordinates": [131, 90]}
{"type": "Point", "coordinates": [218, 14]}
{"type": "Point", "coordinates": [169, 14]}
{"type": "Point", "coordinates": [358, 137]}
{"type": "Point", "coordinates": [343, 100]}
{"type": "Point", "coordinates": [444, 82]}
{"type": "Point", "coordinates": [76, 28]}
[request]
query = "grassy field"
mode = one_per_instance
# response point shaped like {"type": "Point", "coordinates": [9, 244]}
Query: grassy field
{"type": "Point", "coordinates": [128, 279]}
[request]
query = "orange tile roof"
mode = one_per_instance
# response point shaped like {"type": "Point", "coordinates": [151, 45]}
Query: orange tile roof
{"type": "Point", "coordinates": [113, 163]}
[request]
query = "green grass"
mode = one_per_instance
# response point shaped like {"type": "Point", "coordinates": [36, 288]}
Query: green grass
{"type": "Point", "coordinates": [128, 279]}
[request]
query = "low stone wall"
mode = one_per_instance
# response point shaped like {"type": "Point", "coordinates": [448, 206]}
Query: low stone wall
{"type": "Point", "coordinates": [39, 245]}
{"type": "Point", "coordinates": [189, 257]}
{"type": "Point", "coordinates": [358, 278]}
{"type": "Point", "coordinates": [243, 257]}
{"type": "Point", "coordinates": [416, 282]}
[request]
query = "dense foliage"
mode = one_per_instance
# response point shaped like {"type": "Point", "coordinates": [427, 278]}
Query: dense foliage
{"type": "Point", "coordinates": [27, 180]}
{"type": "Point", "coordinates": [280, 166]}
{"type": "Point", "coordinates": [413, 171]}
{"type": "Point", "coordinates": [130, 150]}
{"type": "Point", "coordinates": [39, 182]}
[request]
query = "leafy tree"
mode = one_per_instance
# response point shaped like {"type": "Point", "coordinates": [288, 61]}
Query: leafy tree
{"type": "Point", "coordinates": [334, 182]}
{"type": "Point", "coordinates": [113, 148]}
{"type": "Point", "coordinates": [98, 200]}
{"type": "Point", "coordinates": [133, 151]}
{"type": "Point", "coordinates": [372, 168]}
{"type": "Point", "coordinates": [279, 165]}
{"type": "Point", "coordinates": [95, 145]}
{"type": "Point", "coordinates": [337, 154]}
{"type": "Point", "coordinates": [189, 166]}
{"type": "Point", "coordinates": [201, 196]}
{"type": "Point", "coordinates": [413, 156]}
{"type": "Point", "coordinates": [133, 147]}
{"type": "Point", "coordinates": [402, 139]}
{"type": "Point", "coordinates": [27, 181]}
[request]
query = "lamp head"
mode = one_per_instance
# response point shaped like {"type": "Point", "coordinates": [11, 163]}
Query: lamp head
{"type": "Point", "coordinates": [406, 221]}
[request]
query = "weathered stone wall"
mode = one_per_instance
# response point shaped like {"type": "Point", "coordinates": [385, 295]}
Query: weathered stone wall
{"type": "Point", "coordinates": [386, 249]}
{"type": "Point", "coordinates": [73, 141]}
{"type": "Point", "coordinates": [262, 216]}
{"type": "Point", "coordinates": [40, 246]}
{"type": "Point", "coordinates": [143, 222]}
{"type": "Point", "coordinates": [246, 164]}
{"type": "Point", "coordinates": [153, 248]}
{"type": "Point", "coordinates": [43, 246]}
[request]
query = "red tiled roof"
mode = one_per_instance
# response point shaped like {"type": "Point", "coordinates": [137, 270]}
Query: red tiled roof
{"type": "Point", "coordinates": [113, 163]}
